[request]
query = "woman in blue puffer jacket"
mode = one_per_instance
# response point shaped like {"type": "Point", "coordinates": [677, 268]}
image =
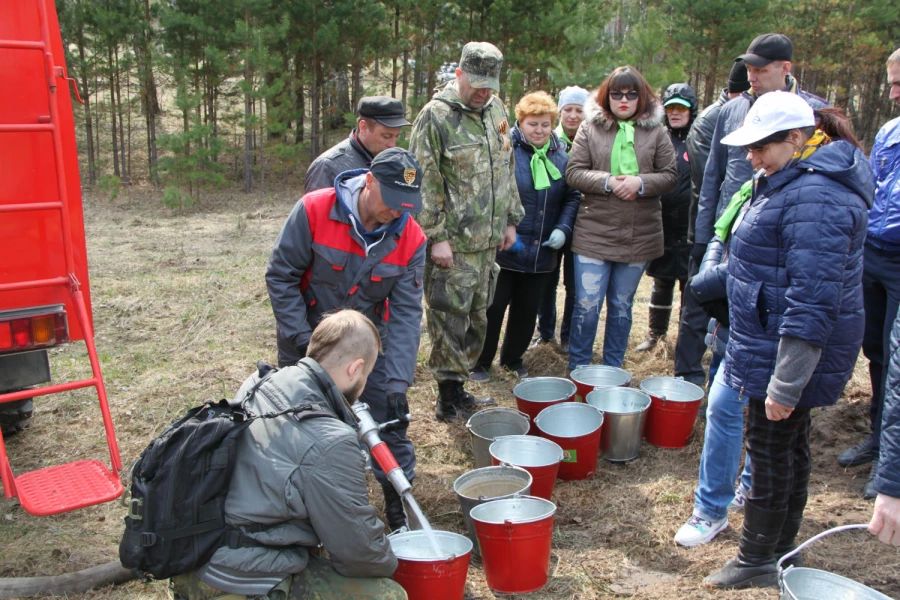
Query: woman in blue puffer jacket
{"type": "Point", "coordinates": [796, 312]}
{"type": "Point", "coordinates": [550, 208]}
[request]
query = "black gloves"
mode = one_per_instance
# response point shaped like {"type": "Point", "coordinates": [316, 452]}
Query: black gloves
{"type": "Point", "coordinates": [397, 409]}
{"type": "Point", "coordinates": [718, 310]}
{"type": "Point", "coordinates": [697, 252]}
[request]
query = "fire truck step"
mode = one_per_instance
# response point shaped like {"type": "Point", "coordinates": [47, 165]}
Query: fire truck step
{"type": "Point", "coordinates": [62, 488]}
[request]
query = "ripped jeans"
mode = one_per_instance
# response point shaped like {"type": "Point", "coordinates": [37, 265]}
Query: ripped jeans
{"type": "Point", "coordinates": [595, 280]}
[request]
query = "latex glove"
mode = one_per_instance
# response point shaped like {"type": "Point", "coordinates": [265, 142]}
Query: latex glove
{"type": "Point", "coordinates": [556, 240]}
{"type": "Point", "coordinates": [517, 246]}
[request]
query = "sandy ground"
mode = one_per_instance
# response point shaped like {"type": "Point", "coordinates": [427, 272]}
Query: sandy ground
{"type": "Point", "coordinates": [182, 314]}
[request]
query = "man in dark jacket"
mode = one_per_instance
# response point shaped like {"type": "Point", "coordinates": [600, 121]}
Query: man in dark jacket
{"type": "Point", "coordinates": [768, 60]}
{"type": "Point", "coordinates": [881, 275]}
{"type": "Point", "coordinates": [381, 121]}
{"type": "Point", "coordinates": [299, 486]}
{"type": "Point", "coordinates": [886, 516]}
{"type": "Point", "coordinates": [680, 104]}
{"type": "Point", "coordinates": [691, 345]}
{"type": "Point", "coordinates": [357, 247]}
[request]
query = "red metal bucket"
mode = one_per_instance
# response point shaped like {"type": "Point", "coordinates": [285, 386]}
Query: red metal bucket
{"type": "Point", "coordinates": [535, 394]}
{"type": "Point", "coordinates": [576, 428]}
{"type": "Point", "coordinates": [515, 537]}
{"type": "Point", "coordinates": [425, 577]}
{"type": "Point", "coordinates": [673, 410]}
{"type": "Point", "coordinates": [588, 378]}
{"type": "Point", "coordinates": [536, 455]}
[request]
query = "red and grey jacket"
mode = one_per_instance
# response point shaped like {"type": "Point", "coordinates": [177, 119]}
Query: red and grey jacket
{"type": "Point", "coordinates": [319, 264]}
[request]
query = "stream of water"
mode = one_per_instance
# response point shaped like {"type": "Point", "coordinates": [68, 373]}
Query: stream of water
{"type": "Point", "coordinates": [423, 522]}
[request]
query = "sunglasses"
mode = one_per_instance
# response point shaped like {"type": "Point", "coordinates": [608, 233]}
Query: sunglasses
{"type": "Point", "coordinates": [632, 95]}
{"type": "Point", "coordinates": [676, 108]}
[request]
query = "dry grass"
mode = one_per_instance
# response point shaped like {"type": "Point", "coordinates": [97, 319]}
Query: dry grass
{"type": "Point", "coordinates": [182, 314]}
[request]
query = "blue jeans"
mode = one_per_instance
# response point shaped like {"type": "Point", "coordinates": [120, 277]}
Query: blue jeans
{"type": "Point", "coordinates": [595, 280]}
{"type": "Point", "coordinates": [721, 457]}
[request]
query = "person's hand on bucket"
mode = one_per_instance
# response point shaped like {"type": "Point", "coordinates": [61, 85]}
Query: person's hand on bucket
{"type": "Point", "coordinates": [885, 521]}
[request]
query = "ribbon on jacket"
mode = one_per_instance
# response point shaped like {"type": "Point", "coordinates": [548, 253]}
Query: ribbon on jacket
{"type": "Point", "coordinates": [723, 224]}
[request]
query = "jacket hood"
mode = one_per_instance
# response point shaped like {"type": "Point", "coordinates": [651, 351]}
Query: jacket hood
{"type": "Point", "coordinates": [518, 139]}
{"type": "Point", "coordinates": [594, 113]}
{"type": "Point", "coordinates": [846, 165]}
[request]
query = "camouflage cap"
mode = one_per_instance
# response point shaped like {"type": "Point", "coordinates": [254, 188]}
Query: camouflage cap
{"type": "Point", "coordinates": [481, 61]}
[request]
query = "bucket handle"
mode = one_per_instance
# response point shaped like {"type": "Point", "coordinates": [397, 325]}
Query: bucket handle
{"type": "Point", "coordinates": [495, 409]}
{"type": "Point", "coordinates": [815, 538]}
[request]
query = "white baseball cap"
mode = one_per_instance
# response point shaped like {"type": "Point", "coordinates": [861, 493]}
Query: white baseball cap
{"type": "Point", "coordinates": [773, 112]}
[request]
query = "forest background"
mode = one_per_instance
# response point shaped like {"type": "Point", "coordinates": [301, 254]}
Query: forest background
{"type": "Point", "coordinates": [190, 96]}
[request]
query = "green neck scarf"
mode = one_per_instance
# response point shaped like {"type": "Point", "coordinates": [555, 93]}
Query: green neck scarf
{"type": "Point", "coordinates": [623, 160]}
{"type": "Point", "coordinates": [541, 166]}
{"type": "Point", "coordinates": [561, 134]}
{"type": "Point", "coordinates": [723, 225]}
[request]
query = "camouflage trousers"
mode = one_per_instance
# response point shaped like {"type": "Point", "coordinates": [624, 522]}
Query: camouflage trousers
{"type": "Point", "coordinates": [457, 300]}
{"type": "Point", "coordinates": [318, 581]}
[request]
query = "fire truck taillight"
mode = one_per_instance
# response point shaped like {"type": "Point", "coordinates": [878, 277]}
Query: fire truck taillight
{"type": "Point", "coordinates": [37, 331]}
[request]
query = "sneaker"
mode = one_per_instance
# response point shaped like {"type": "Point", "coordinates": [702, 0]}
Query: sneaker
{"type": "Point", "coordinates": [860, 454]}
{"type": "Point", "coordinates": [699, 531]}
{"type": "Point", "coordinates": [647, 345]}
{"type": "Point", "coordinates": [479, 375]}
{"type": "Point", "coordinates": [740, 498]}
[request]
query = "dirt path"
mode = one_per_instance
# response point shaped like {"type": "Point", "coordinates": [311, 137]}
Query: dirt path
{"type": "Point", "coordinates": [182, 315]}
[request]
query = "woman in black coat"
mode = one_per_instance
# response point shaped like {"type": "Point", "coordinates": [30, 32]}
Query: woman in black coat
{"type": "Point", "coordinates": [680, 103]}
{"type": "Point", "coordinates": [550, 208]}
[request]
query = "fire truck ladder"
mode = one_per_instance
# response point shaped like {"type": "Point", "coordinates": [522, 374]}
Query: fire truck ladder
{"type": "Point", "coordinates": [74, 485]}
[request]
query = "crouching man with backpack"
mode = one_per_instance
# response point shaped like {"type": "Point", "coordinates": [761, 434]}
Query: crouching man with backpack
{"type": "Point", "coordinates": [298, 489]}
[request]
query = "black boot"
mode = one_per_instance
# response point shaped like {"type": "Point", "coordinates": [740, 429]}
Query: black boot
{"type": "Point", "coordinates": [869, 492]}
{"type": "Point", "coordinates": [471, 403]}
{"type": "Point", "coordinates": [448, 407]}
{"type": "Point", "coordinates": [788, 537]}
{"type": "Point", "coordinates": [659, 325]}
{"type": "Point", "coordinates": [393, 507]}
{"type": "Point", "coordinates": [755, 565]}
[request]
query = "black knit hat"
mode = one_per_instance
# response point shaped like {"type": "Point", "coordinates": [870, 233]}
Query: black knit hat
{"type": "Point", "coordinates": [737, 80]}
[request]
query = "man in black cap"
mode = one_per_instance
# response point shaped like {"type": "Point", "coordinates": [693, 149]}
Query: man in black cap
{"type": "Point", "coordinates": [691, 344]}
{"type": "Point", "coordinates": [380, 122]}
{"type": "Point", "coordinates": [354, 246]}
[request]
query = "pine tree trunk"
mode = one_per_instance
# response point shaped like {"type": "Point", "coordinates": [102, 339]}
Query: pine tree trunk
{"type": "Point", "coordinates": [248, 110]}
{"type": "Point", "coordinates": [118, 106]}
{"type": "Point", "coordinates": [88, 118]}
{"type": "Point", "coordinates": [112, 115]}
{"type": "Point", "coordinates": [299, 98]}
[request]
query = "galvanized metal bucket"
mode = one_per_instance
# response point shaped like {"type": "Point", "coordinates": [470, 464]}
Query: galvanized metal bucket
{"type": "Point", "coordinates": [801, 583]}
{"type": "Point", "coordinates": [487, 425]}
{"type": "Point", "coordinates": [536, 455]}
{"type": "Point", "coordinates": [535, 394]}
{"type": "Point", "coordinates": [577, 428]}
{"type": "Point", "coordinates": [624, 417]}
{"type": "Point", "coordinates": [487, 484]}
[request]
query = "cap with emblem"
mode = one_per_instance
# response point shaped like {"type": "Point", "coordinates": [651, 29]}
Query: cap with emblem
{"type": "Point", "coordinates": [766, 48]}
{"type": "Point", "coordinates": [400, 176]}
{"type": "Point", "coordinates": [773, 112]}
{"type": "Point", "coordinates": [482, 61]}
{"type": "Point", "coordinates": [383, 109]}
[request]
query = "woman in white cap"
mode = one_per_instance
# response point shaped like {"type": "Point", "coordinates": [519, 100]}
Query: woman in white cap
{"type": "Point", "coordinates": [796, 312]}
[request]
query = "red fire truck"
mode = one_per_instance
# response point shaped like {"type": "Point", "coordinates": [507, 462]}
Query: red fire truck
{"type": "Point", "coordinates": [44, 292]}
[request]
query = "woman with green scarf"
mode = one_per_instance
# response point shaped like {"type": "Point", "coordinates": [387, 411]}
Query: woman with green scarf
{"type": "Point", "coordinates": [622, 161]}
{"type": "Point", "coordinates": [550, 207]}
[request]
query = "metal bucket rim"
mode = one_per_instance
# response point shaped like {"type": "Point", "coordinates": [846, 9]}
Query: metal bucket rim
{"type": "Point", "coordinates": [531, 439]}
{"type": "Point", "coordinates": [676, 379]}
{"type": "Point", "coordinates": [494, 504]}
{"type": "Point", "coordinates": [601, 368]}
{"type": "Point", "coordinates": [495, 409]}
{"type": "Point", "coordinates": [504, 467]}
{"type": "Point", "coordinates": [448, 535]}
{"type": "Point", "coordinates": [824, 576]}
{"type": "Point", "coordinates": [532, 380]}
{"type": "Point", "coordinates": [627, 391]}
{"type": "Point", "coordinates": [558, 408]}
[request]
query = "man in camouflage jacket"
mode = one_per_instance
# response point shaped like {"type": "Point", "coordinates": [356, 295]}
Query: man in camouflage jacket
{"type": "Point", "coordinates": [470, 209]}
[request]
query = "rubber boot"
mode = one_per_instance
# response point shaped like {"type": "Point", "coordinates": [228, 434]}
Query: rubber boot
{"type": "Point", "coordinates": [659, 325]}
{"type": "Point", "coordinates": [788, 537]}
{"type": "Point", "coordinates": [755, 565]}
{"type": "Point", "coordinates": [448, 407]}
{"type": "Point", "coordinates": [393, 507]}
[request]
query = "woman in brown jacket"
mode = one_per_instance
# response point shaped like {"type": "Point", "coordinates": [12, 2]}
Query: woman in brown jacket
{"type": "Point", "coordinates": [622, 161]}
